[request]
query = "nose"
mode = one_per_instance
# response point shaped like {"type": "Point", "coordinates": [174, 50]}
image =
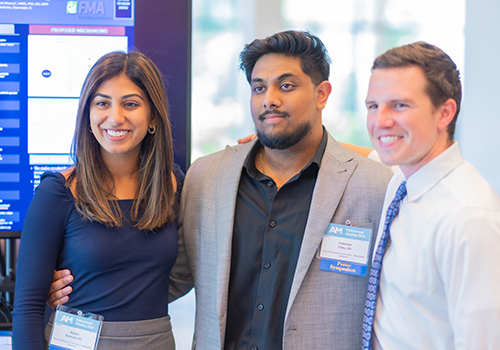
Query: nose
{"type": "Point", "coordinates": [382, 117]}
{"type": "Point", "coordinates": [116, 115]}
{"type": "Point", "coordinates": [271, 99]}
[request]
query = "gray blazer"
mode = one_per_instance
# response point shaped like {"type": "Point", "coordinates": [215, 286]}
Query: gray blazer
{"type": "Point", "coordinates": [325, 309]}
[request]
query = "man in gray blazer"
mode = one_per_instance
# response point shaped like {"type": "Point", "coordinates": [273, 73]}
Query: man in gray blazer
{"type": "Point", "coordinates": [275, 235]}
{"type": "Point", "coordinates": [253, 217]}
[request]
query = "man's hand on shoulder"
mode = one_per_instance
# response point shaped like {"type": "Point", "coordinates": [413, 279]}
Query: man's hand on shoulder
{"type": "Point", "coordinates": [247, 139]}
{"type": "Point", "coordinates": [364, 151]}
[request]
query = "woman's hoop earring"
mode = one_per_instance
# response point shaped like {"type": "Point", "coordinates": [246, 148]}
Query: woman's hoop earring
{"type": "Point", "coordinates": [152, 130]}
{"type": "Point", "coordinates": [90, 129]}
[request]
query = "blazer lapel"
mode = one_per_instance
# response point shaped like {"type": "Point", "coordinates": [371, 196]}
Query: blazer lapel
{"type": "Point", "coordinates": [227, 183]}
{"type": "Point", "coordinates": [335, 171]}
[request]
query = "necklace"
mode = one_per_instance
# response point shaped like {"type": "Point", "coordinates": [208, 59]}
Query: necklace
{"type": "Point", "coordinates": [260, 161]}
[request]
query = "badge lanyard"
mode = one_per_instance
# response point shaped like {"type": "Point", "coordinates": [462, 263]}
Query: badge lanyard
{"type": "Point", "coordinates": [74, 329]}
{"type": "Point", "coordinates": [345, 249]}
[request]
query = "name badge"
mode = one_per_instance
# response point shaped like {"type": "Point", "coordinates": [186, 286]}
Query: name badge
{"type": "Point", "coordinates": [345, 249]}
{"type": "Point", "coordinates": [74, 329]}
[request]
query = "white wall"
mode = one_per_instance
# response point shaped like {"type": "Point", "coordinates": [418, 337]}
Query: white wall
{"type": "Point", "coordinates": [478, 126]}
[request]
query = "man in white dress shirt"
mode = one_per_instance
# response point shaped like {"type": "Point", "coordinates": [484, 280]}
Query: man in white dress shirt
{"type": "Point", "coordinates": [440, 279]}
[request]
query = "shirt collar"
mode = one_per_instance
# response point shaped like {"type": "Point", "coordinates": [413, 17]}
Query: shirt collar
{"type": "Point", "coordinates": [425, 178]}
{"type": "Point", "coordinates": [249, 164]}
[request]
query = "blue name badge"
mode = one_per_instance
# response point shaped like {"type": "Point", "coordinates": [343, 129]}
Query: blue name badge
{"type": "Point", "coordinates": [73, 329]}
{"type": "Point", "coordinates": [345, 249]}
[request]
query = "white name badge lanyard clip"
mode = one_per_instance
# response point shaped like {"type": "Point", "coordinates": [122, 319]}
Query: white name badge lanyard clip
{"type": "Point", "coordinates": [345, 249]}
{"type": "Point", "coordinates": [74, 329]}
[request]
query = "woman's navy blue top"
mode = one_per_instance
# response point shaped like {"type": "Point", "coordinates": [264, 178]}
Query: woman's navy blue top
{"type": "Point", "coordinates": [120, 273]}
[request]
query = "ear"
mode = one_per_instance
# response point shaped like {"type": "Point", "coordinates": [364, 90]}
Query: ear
{"type": "Point", "coordinates": [323, 90]}
{"type": "Point", "coordinates": [447, 112]}
{"type": "Point", "coordinates": [152, 122]}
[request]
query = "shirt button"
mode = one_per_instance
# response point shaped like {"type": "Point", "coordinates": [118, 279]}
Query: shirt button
{"type": "Point", "coordinates": [260, 307]}
{"type": "Point", "coordinates": [254, 347]}
{"type": "Point", "coordinates": [272, 224]}
{"type": "Point", "coordinates": [267, 265]}
{"type": "Point", "coordinates": [270, 183]}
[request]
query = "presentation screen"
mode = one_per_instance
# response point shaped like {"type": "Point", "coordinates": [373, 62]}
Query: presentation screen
{"type": "Point", "coordinates": [46, 49]}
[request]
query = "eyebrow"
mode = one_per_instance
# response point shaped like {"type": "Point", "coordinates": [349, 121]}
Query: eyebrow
{"type": "Point", "coordinates": [396, 100]}
{"type": "Point", "coordinates": [281, 77]}
{"type": "Point", "coordinates": [123, 97]}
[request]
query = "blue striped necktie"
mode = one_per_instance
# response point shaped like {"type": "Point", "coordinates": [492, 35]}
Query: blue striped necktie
{"type": "Point", "coordinates": [371, 296]}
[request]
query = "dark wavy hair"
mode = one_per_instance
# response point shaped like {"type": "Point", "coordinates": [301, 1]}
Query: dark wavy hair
{"type": "Point", "coordinates": [315, 61]}
{"type": "Point", "coordinates": [443, 77]}
{"type": "Point", "coordinates": [153, 205]}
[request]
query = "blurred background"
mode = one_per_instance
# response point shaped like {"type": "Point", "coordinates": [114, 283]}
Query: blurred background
{"type": "Point", "coordinates": [354, 32]}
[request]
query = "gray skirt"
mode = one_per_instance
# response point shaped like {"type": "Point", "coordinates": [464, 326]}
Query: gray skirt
{"type": "Point", "coordinates": [154, 334]}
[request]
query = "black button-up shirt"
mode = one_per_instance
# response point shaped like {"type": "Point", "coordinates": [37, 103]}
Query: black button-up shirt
{"type": "Point", "coordinates": [268, 230]}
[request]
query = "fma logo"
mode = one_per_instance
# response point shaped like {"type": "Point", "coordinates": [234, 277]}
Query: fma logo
{"type": "Point", "coordinates": [336, 230]}
{"type": "Point", "coordinates": [72, 7]}
{"type": "Point", "coordinates": [66, 319]}
{"type": "Point", "coordinates": [91, 8]}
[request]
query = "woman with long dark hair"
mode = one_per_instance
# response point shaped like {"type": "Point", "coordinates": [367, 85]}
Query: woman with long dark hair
{"type": "Point", "coordinates": [110, 218]}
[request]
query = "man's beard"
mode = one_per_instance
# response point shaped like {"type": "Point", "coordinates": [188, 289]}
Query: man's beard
{"type": "Point", "coordinates": [284, 140]}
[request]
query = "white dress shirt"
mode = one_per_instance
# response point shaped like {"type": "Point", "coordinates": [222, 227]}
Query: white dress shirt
{"type": "Point", "coordinates": [440, 280]}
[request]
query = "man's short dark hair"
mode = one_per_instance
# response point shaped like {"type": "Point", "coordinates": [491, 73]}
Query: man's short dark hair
{"type": "Point", "coordinates": [315, 61]}
{"type": "Point", "coordinates": [443, 78]}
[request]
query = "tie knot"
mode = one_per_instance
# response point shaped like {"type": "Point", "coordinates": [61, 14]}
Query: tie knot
{"type": "Point", "coordinates": [401, 192]}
